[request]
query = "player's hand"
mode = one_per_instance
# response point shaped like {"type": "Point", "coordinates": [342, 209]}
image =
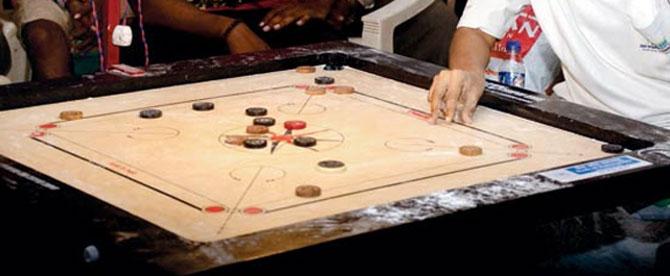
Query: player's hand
{"type": "Point", "coordinates": [83, 32]}
{"type": "Point", "coordinates": [298, 11]}
{"type": "Point", "coordinates": [80, 11]}
{"type": "Point", "coordinates": [241, 39]}
{"type": "Point", "coordinates": [454, 95]}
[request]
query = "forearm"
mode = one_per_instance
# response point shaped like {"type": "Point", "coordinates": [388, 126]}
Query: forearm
{"type": "Point", "coordinates": [470, 50]}
{"type": "Point", "coordinates": [182, 16]}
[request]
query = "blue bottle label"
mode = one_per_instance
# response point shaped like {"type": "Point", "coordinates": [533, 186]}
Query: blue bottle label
{"type": "Point", "coordinates": [514, 79]}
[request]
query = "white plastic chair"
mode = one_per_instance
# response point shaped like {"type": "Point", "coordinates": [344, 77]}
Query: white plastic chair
{"type": "Point", "coordinates": [20, 70]}
{"type": "Point", "coordinates": [379, 26]}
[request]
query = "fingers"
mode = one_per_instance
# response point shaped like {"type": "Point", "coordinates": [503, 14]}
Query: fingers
{"type": "Point", "coordinates": [75, 7]}
{"type": "Point", "coordinates": [340, 10]}
{"type": "Point", "coordinates": [338, 13]}
{"type": "Point", "coordinates": [429, 97]}
{"type": "Point", "coordinates": [286, 21]}
{"type": "Point", "coordinates": [279, 21]}
{"type": "Point", "coordinates": [454, 94]}
{"type": "Point", "coordinates": [471, 98]}
{"type": "Point", "coordinates": [299, 12]}
{"type": "Point", "coordinates": [79, 9]}
{"type": "Point", "coordinates": [81, 13]}
{"type": "Point", "coordinates": [269, 16]}
{"type": "Point", "coordinates": [468, 111]}
{"type": "Point", "coordinates": [436, 93]}
{"type": "Point", "coordinates": [431, 93]}
{"type": "Point", "coordinates": [283, 18]}
{"type": "Point", "coordinates": [303, 20]}
{"type": "Point", "coordinates": [454, 90]}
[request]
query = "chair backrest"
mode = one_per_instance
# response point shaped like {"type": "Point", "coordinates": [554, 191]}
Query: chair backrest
{"type": "Point", "coordinates": [379, 25]}
{"type": "Point", "coordinates": [20, 67]}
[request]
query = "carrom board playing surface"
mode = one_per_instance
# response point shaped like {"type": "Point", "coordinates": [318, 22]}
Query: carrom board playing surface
{"type": "Point", "coordinates": [180, 173]}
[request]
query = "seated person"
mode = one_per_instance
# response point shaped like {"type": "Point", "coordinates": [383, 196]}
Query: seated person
{"type": "Point", "coordinates": [630, 78]}
{"type": "Point", "coordinates": [49, 27]}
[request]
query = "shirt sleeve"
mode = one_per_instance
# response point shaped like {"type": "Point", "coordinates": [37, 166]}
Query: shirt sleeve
{"type": "Point", "coordinates": [493, 17]}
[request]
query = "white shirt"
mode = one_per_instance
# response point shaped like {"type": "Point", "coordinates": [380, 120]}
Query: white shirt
{"type": "Point", "coordinates": [539, 61]}
{"type": "Point", "coordinates": [610, 60]}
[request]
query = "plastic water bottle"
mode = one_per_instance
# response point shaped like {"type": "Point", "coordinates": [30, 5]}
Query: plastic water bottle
{"type": "Point", "coordinates": [512, 71]}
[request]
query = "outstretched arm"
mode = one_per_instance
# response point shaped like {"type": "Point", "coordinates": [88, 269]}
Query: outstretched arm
{"type": "Point", "coordinates": [182, 16]}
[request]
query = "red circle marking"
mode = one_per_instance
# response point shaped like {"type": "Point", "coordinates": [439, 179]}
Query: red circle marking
{"type": "Point", "coordinates": [519, 155]}
{"type": "Point", "coordinates": [215, 209]}
{"type": "Point", "coordinates": [520, 146]}
{"type": "Point", "coordinates": [295, 125]}
{"type": "Point", "coordinates": [48, 126]}
{"type": "Point", "coordinates": [420, 114]}
{"type": "Point", "coordinates": [37, 134]}
{"type": "Point", "coordinates": [253, 211]}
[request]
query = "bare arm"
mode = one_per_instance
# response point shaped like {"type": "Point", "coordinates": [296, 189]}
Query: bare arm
{"type": "Point", "coordinates": [180, 15]}
{"type": "Point", "coordinates": [470, 50]}
{"type": "Point", "coordinates": [456, 91]}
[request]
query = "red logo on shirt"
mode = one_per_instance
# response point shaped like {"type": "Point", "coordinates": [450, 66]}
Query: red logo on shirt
{"type": "Point", "coordinates": [526, 30]}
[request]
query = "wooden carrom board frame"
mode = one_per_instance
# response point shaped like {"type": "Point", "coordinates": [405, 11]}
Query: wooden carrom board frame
{"type": "Point", "coordinates": [171, 243]}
